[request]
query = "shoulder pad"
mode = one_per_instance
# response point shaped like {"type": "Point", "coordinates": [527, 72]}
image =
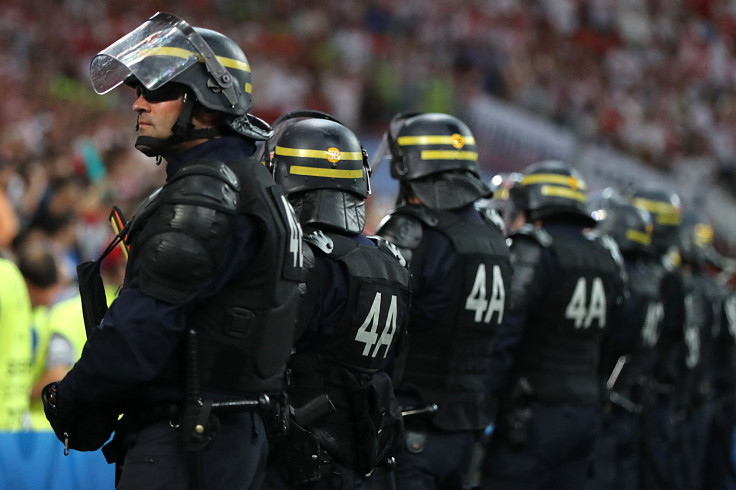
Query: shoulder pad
{"type": "Point", "coordinates": [145, 208]}
{"type": "Point", "coordinates": [203, 182]}
{"type": "Point", "coordinates": [182, 244]}
{"type": "Point", "coordinates": [401, 229]}
{"type": "Point", "coordinates": [321, 241]}
{"type": "Point", "coordinates": [389, 248]}
{"type": "Point", "coordinates": [540, 235]}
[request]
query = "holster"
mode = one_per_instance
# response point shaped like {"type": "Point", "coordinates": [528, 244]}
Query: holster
{"type": "Point", "coordinates": [92, 293]}
{"type": "Point", "coordinates": [379, 424]}
{"type": "Point", "coordinates": [199, 426]}
{"type": "Point", "coordinates": [301, 457]}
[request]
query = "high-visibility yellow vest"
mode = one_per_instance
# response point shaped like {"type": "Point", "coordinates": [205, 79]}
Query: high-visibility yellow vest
{"type": "Point", "coordinates": [63, 318]}
{"type": "Point", "coordinates": [15, 348]}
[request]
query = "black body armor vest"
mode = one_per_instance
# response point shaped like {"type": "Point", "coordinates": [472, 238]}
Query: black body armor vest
{"type": "Point", "coordinates": [348, 364]}
{"type": "Point", "coordinates": [377, 308]}
{"type": "Point", "coordinates": [643, 315]}
{"type": "Point", "coordinates": [559, 354]}
{"type": "Point", "coordinates": [244, 332]}
{"type": "Point", "coordinates": [447, 364]}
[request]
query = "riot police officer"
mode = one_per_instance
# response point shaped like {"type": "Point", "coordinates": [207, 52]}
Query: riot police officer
{"type": "Point", "coordinates": [703, 308]}
{"type": "Point", "coordinates": [629, 346]}
{"type": "Point", "coordinates": [351, 319]}
{"type": "Point", "coordinates": [720, 468]}
{"type": "Point", "coordinates": [566, 289]}
{"type": "Point", "coordinates": [460, 274]}
{"type": "Point", "coordinates": [660, 442]}
{"type": "Point", "coordinates": [193, 350]}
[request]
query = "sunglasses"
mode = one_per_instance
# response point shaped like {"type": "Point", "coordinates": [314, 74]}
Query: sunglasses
{"type": "Point", "coordinates": [167, 92]}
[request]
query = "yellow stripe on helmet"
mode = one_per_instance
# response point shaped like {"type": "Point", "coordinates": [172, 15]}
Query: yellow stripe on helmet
{"type": "Point", "coordinates": [557, 191]}
{"type": "Point", "coordinates": [639, 237]}
{"type": "Point", "coordinates": [304, 153]}
{"type": "Point", "coordinates": [433, 140]}
{"type": "Point", "coordinates": [336, 173]}
{"type": "Point", "coordinates": [449, 155]}
{"type": "Point", "coordinates": [556, 179]}
{"type": "Point", "coordinates": [664, 213]}
{"type": "Point", "coordinates": [185, 53]}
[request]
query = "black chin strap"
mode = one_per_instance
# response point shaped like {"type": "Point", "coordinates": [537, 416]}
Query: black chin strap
{"type": "Point", "coordinates": [183, 130]}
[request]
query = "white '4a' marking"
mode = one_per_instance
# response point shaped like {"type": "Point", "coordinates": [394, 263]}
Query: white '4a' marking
{"type": "Point", "coordinates": [476, 300]}
{"type": "Point", "coordinates": [582, 312]}
{"type": "Point", "coordinates": [368, 331]}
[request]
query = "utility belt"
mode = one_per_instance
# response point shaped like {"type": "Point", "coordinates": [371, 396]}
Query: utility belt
{"type": "Point", "coordinates": [198, 422]}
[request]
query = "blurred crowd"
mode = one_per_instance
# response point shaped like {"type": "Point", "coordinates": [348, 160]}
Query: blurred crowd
{"type": "Point", "coordinates": [652, 78]}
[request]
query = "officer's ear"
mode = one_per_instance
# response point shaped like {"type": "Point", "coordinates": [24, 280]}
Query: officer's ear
{"type": "Point", "coordinates": [207, 118]}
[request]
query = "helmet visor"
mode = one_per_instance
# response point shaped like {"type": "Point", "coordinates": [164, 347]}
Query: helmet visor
{"type": "Point", "coordinates": [155, 53]}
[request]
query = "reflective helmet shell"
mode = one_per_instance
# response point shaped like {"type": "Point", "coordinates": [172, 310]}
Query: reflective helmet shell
{"type": "Point", "coordinates": [629, 226]}
{"type": "Point", "coordinates": [665, 208]}
{"type": "Point", "coordinates": [430, 143]}
{"type": "Point", "coordinates": [167, 49]}
{"type": "Point", "coordinates": [233, 59]}
{"type": "Point", "coordinates": [553, 188]}
{"type": "Point", "coordinates": [314, 154]}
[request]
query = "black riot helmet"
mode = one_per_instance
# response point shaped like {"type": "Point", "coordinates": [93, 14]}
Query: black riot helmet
{"type": "Point", "coordinates": [629, 226]}
{"type": "Point", "coordinates": [435, 156]}
{"type": "Point", "coordinates": [322, 168]}
{"type": "Point", "coordinates": [166, 49]}
{"type": "Point", "coordinates": [552, 188]}
{"type": "Point", "coordinates": [695, 240]}
{"type": "Point", "coordinates": [666, 210]}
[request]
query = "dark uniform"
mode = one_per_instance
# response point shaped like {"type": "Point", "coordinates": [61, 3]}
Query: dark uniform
{"type": "Point", "coordinates": [720, 471]}
{"type": "Point", "coordinates": [193, 351]}
{"type": "Point", "coordinates": [460, 272]}
{"type": "Point", "coordinates": [352, 317]}
{"type": "Point", "coordinates": [566, 289]}
{"type": "Point", "coordinates": [703, 306]}
{"type": "Point", "coordinates": [660, 438]}
{"type": "Point", "coordinates": [629, 346]}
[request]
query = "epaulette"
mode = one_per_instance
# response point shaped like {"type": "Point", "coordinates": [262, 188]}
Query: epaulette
{"type": "Point", "coordinates": [607, 242]}
{"type": "Point", "coordinates": [389, 248]}
{"type": "Point", "coordinates": [491, 216]}
{"type": "Point", "coordinates": [321, 241]}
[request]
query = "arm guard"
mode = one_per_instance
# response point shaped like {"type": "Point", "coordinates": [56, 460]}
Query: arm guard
{"type": "Point", "coordinates": [184, 242]}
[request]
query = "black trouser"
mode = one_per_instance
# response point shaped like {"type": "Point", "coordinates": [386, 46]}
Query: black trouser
{"type": "Point", "coordinates": [236, 459]}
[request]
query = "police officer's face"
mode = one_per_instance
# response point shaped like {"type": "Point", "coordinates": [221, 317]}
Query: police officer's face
{"type": "Point", "coordinates": [157, 115]}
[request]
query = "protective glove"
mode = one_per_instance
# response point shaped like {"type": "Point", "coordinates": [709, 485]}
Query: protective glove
{"type": "Point", "coordinates": [82, 429]}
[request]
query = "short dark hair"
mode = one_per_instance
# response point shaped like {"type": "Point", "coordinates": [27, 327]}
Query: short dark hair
{"type": "Point", "coordinates": [38, 266]}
